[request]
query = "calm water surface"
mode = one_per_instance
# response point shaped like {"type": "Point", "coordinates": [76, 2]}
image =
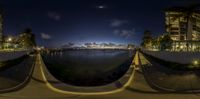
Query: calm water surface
{"type": "Point", "coordinates": [88, 67]}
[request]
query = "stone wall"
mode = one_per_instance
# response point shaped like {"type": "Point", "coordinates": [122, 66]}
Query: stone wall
{"type": "Point", "coordinates": [11, 55]}
{"type": "Point", "coordinates": [179, 57]}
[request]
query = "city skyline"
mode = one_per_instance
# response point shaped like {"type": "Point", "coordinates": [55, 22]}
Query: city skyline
{"type": "Point", "coordinates": [103, 45]}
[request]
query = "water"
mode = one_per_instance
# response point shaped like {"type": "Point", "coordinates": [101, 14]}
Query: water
{"type": "Point", "coordinates": [88, 67]}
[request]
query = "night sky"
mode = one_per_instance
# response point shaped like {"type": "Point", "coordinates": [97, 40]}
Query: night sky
{"type": "Point", "coordinates": [56, 22]}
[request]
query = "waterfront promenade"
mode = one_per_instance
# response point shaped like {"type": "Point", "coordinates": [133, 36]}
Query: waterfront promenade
{"type": "Point", "coordinates": [138, 86]}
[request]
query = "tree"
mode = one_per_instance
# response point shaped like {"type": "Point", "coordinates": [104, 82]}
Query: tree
{"type": "Point", "coordinates": [156, 43]}
{"type": "Point", "coordinates": [27, 39]}
{"type": "Point", "coordinates": [147, 39]}
{"type": "Point", "coordinates": [166, 42]}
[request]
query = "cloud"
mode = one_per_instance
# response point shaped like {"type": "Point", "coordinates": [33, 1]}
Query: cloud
{"type": "Point", "coordinates": [68, 45]}
{"type": "Point", "coordinates": [101, 7]}
{"type": "Point", "coordinates": [54, 15]}
{"type": "Point", "coordinates": [118, 23]}
{"type": "Point", "coordinates": [124, 33]}
{"type": "Point", "coordinates": [45, 36]}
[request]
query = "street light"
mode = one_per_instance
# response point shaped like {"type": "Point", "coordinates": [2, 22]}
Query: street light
{"type": "Point", "coordinates": [9, 41]}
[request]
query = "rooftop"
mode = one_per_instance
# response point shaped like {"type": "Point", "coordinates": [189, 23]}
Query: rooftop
{"type": "Point", "coordinates": [195, 8]}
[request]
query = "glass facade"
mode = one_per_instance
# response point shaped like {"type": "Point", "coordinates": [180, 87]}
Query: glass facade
{"type": "Point", "coordinates": [186, 46]}
{"type": "Point", "coordinates": [183, 30]}
{"type": "Point", "coordinates": [178, 27]}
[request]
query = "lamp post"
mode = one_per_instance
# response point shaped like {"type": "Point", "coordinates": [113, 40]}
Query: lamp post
{"type": "Point", "coordinates": [9, 41]}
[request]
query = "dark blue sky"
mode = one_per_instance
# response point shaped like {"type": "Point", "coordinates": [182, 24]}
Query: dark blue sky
{"type": "Point", "coordinates": [55, 22]}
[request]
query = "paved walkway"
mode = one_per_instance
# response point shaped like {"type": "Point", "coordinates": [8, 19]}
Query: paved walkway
{"type": "Point", "coordinates": [35, 89]}
{"type": "Point", "coordinates": [15, 77]}
{"type": "Point", "coordinates": [166, 79]}
{"type": "Point", "coordinates": [137, 89]}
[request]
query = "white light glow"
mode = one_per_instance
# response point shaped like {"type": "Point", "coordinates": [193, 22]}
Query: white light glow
{"type": "Point", "coordinates": [101, 7]}
{"type": "Point", "coordinates": [195, 62]}
{"type": "Point", "coordinates": [9, 39]}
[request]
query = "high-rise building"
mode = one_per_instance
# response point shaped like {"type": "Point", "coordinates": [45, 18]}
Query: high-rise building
{"type": "Point", "coordinates": [1, 28]}
{"type": "Point", "coordinates": [182, 25]}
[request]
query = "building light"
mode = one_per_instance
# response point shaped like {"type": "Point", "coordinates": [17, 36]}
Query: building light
{"type": "Point", "coordinates": [9, 39]}
{"type": "Point", "coordinates": [196, 62]}
{"type": "Point", "coordinates": [181, 46]}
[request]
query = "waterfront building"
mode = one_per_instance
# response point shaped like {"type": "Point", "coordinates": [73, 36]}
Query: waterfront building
{"type": "Point", "coordinates": [1, 28]}
{"type": "Point", "coordinates": [184, 28]}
